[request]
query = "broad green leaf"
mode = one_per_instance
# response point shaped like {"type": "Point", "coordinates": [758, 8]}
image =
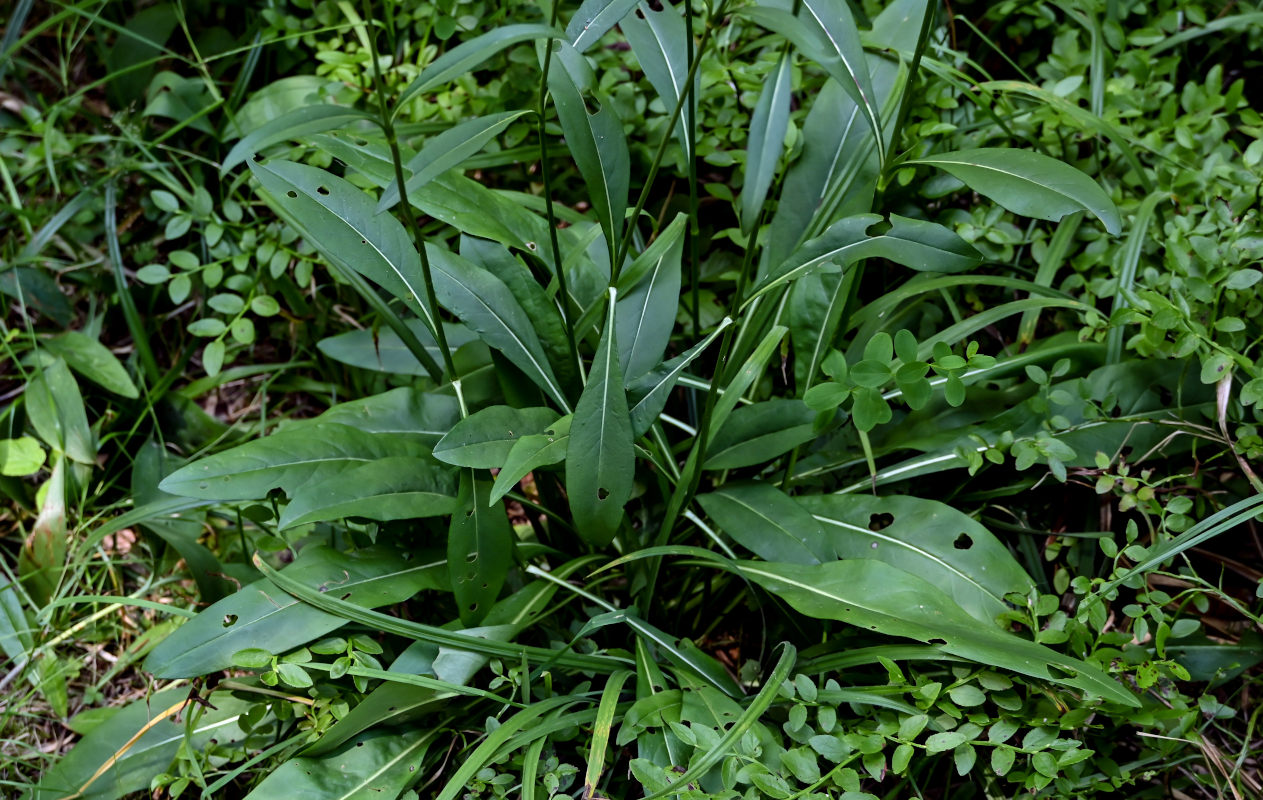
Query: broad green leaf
{"type": "Point", "coordinates": [601, 460]}
{"type": "Point", "coordinates": [532, 452]}
{"type": "Point", "coordinates": [262, 615]}
{"type": "Point", "coordinates": [92, 360]}
{"type": "Point", "coordinates": [468, 55]}
{"type": "Point", "coordinates": [367, 155]}
{"type": "Point", "coordinates": [757, 433]}
{"type": "Point", "coordinates": [344, 226]}
{"type": "Point", "coordinates": [474, 209]}
{"type": "Point", "coordinates": [538, 304]}
{"type": "Point", "coordinates": [919, 245]}
{"type": "Point", "coordinates": [648, 394]}
{"type": "Point", "coordinates": [383, 351]}
{"type": "Point", "coordinates": [876, 596]}
{"type": "Point", "coordinates": [825, 32]}
{"type": "Point", "coordinates": [768, 523]}
{"type": "Point", "coordinates": [448, 150]}
{"type": "Point", "coordinates": [380, 764]}
{"type": "Point", "coordinates": [159, 725]}
{"type": "Point", "coordinates": [657, 34]}
{"type": "Point", "coordinates": [398, 487]}
{"type": "Point", "coordinates": [844, 57]}
{"type": "Point", "coordinates": [935, 541]}
{"type": "Point", "coordinates": [485, 304]}
{"type": "Point", "coordinates": [594, 135]}
{"type": "Point", "coordinates": [293, 125]}
{"type": "Point", "coordinates": [593, 19]}
{"type": "Point", "coordinates": [289, 460]}
{"type": "Point", "coordinates": [646, 313]}
{"type": "Point", "coordinates": [1028, 183]}
{"type": "Point", "coordinates": [483, 439]}
{"type": "Point", "coordinates": [766, 140]}
{"type": "Point", "coordinates": [55, 410]}
{"type": "Point", "coordinates": [479, 550]}
{"type": "Point", "coordinates": [404, 411]}
{"type": "Point", "coordinates": [15, 628]}
{"type": "Point", "coordinates": [21, 456]}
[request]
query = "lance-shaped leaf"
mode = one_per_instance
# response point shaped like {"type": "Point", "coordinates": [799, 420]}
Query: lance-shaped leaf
{"type": "Point", "coordinates": [289, 460]}
{"type": "Point", "coordinates": [479, 550]}
{"type": "Point", "coordinates": [382, 350]}
{"type": "Point", "coordinates": [594, 136]}
{"type": "Point", "coordinates": [646, 314]}
{"type": "Point", "coordinates": [768, 523]}
{"type": "Point", "coordinates": [154, 728]}
{"type": "Point", "coordinates": [300, 122]}
{"type": "Point", "coordinates": [767, 140]}
{"type": "Point", "coordinates": [484, 303]}
{"type": "Point", "coordinates": [658, 34]}
{"type": "Point", "coordinates": [879, 597]}
{"type": "Point", "coordinates": [757, 433]}
{"type": "Point", "coordinates": [390, 488]}
{"type": "Point", "coordinates": [472, 208]}
{"type": "Point", "coordinates": [376, 764]}
{"type": "Point", "coordinates": [648, 394]}
{"type": "Point", "coordinates": [601, 460]}
{"type": "Point", "coordinates": [833, 43]}
{"type": "Point", "coordinates": [1028, 183]}
{"type": "Point", "coordinates": [530, 453]}
{"type": "Point", "coordinates": [935, 541]}
{"type": "Point", "coordinates": [484, 438]}
{"type": "Point", "coordinates": [343, 225]}
{"type": "Point", "coordinates": [447, 151]}
{"type": "Point", "coordinates": [467, 55]}
{"type": "Point", "coordinates": [260, 615]}
{"type": "Point", "coordinates": [92, 360]}
{"type": "Point", "coordinates": [919, 245]}
{"type": "Point", "coordinates": [404, 411]}
{"type": "Point", "coordinates": [594, 19]}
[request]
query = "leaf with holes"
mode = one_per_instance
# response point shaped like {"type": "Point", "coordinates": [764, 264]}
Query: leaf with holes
{"type": "Point", "coordinates": [398, 487]}
{"type": "Point", "coordinates": [768, 523]}
{"type": "Point", "coordinates": [657, 34]}
{"type": "Point", "coordinates": [601, 459]}
{"type": "Point", "coordinates": [344, 226]}
{"type": "Point", "coordinates": [289, 460]}
{"type": "Point", "coordinates": [479, 550]}
{"type": "Point", "coordinates": [874, 595]}
{"type": "Point", "coordinates": [1028, 183]}
{"type": "Point", "coordinates": [935, 541]}
{"type": "Point", "coordinates": [263, 616]}
{"type": "Point", "coordinates": [532, 452]}
{"type": "Point", "coordinates": [484, 438]}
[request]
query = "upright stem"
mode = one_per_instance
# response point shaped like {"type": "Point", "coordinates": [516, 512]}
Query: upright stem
{"type": "Point", "coordinates": [546, 171]}
{"type": "Point", "coordinates": [690, 145]}
{"type": "Point", "coordinates": [388, 128]}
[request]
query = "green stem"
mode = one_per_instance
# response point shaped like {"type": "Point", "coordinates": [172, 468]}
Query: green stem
{"type": "Point", "coordinates": [546, 171]}
{"type": "Point", "coordinates": [388, 128]}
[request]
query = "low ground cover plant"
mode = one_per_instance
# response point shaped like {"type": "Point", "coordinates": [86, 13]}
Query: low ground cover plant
{"type": "Point", "coordinates": [617, 399]}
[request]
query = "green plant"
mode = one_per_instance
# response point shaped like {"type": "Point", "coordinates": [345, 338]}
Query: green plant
{"type": "Point", "coordinates": [579, 530]}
